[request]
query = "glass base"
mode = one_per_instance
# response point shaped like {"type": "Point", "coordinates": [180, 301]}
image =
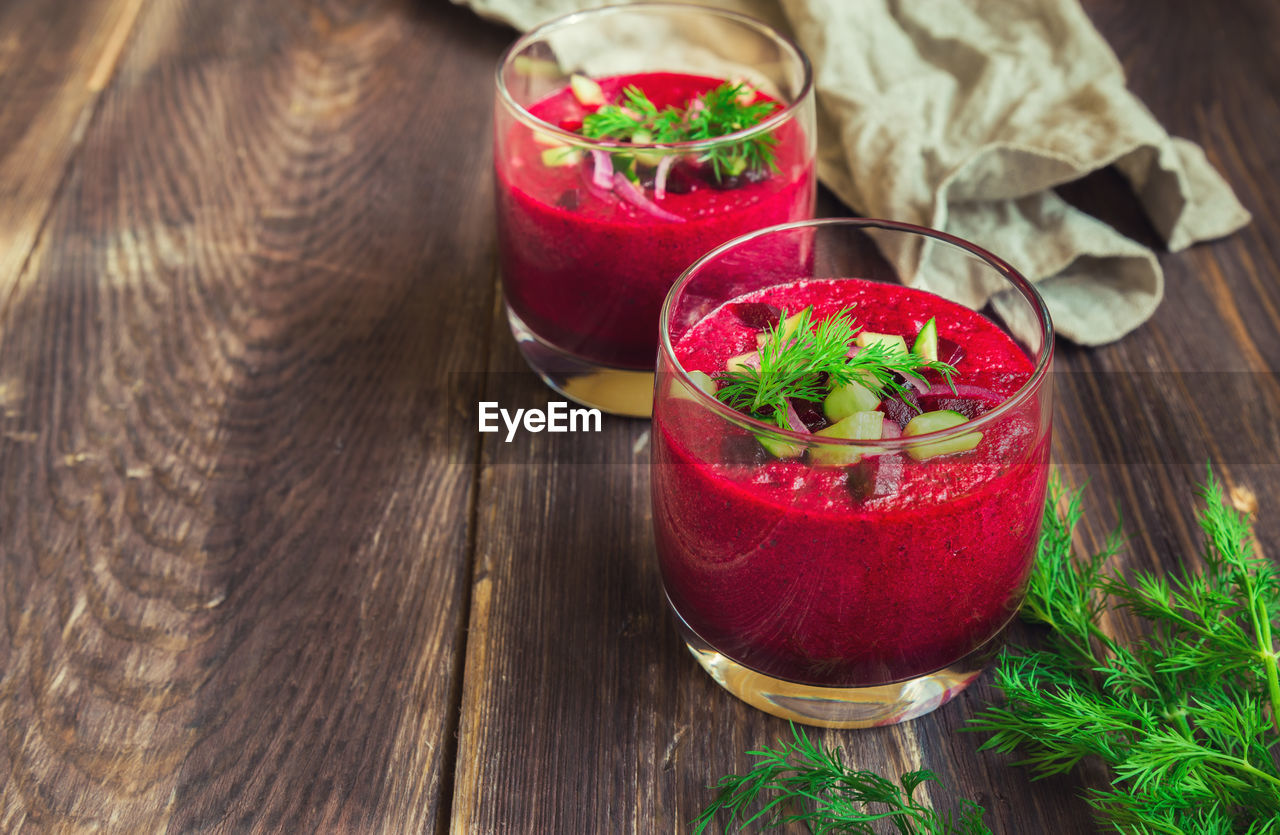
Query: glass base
{"type": "Point", "coordinates": [618, 391]}
{"type": "Point", "coordinates": [840, 707]}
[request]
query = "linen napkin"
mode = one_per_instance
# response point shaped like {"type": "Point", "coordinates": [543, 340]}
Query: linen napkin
{"type": "Point", "coordinates": [963, 115]}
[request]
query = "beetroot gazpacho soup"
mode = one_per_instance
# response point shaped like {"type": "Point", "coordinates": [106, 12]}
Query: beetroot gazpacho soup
{"type": "Point", "coordinates": [588, 256]}
{"type": "Point", "coordinates": [869, 520]}
{"type": "Point", "coordinates": [608, 185]}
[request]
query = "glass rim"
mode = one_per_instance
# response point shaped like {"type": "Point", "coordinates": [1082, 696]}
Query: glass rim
{"type": "Point", "coordinates": [1012, 402]}
{"type": "Point", "coordinates": [773, 121]}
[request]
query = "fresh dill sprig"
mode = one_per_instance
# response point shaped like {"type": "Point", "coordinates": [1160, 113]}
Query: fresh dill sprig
{"type": "Point", "coordinates": [1185, 717]}
{"type": "Point", "coordinates": [804, 361]}
{"type": "Point", "coordinates": [716, 113]}
{"type": "Point", "coordinates": [801, 782]}
{"type": "Point", "coordinates": [722, 113]}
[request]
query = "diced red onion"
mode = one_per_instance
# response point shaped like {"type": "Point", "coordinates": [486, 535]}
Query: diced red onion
{"type": "Point", "coordinates": [660, 177]}
{"type": "Point", "coordinates": [794, 423]}
{"type": "Point", "coordinates": [920, 384]}
{"type": "Point", "coordinates": [601, 193]}
{"type": "Point", "coordinates": [602, 172]}
{"type": "Point", "coordinates": [631, 193]}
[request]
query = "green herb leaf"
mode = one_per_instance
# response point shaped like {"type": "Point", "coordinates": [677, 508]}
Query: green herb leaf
{"type": "Point", "coordinates": [806, 361]}
{"type": "Point", "coordinates": [1186, 717]}
{"type": "Point", "coordinates": [723, 113]}
{"type": "Point", "coordinates": [716, 113]}
{"type": "Point", "coordinates": [801, 782]}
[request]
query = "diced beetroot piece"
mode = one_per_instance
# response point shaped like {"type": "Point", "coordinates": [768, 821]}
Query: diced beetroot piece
{"type": "Point", "coordinates": [901, 408]}
{"type": "Point", "coordinates": [965, 390]}
{"type": "Point", "coordinates": [757, 315]}
{"type": "Point", "coordinates": [573, 123]}
{"type": "Point", "coordinates": [726, 182]}
{"type": "Point", "coordinates": [878, 476]}
{"type": "Point", "coordinates": [890, 429]}
{"type": "Point", "coordinates": [810, 414]}
{"type": "Point", "coordinates": [569, 199]}
{"type": "Point", "coordinates": [742, 451]}
{"type": "Point", "coordinates": [678, 179]}
{"type": "Point", "coordinates": [966, 406]}
{"type": "Point", "coordinates": [968, 400]}
{"type": "Point", "coordinates": [949, 352]}
{"type": "Point", "coordinates": [681, 179]}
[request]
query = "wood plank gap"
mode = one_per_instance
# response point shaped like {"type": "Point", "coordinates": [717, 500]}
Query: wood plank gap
{"type": "Point", "coordinates": [119, 42]}
{"type": "Point", "coordinates": [457, 675]}
{"type": "Point", "coordinates": [110, 59]}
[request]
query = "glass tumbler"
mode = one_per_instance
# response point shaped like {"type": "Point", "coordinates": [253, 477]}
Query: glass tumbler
{"type": "Point", "coordinates": [592, 233]}
{"type": "Point", "coordinates": [851, 583]}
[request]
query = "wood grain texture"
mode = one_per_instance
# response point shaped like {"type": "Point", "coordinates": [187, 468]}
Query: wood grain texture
{"type": "Point", "coordinates": [257, 570]}
{"type": "Point", "coordinates": [581, 709]}
{"type": "Point", "coordinates": [234, 540]}
{"type": "Point", "coordinates": [55, 58]}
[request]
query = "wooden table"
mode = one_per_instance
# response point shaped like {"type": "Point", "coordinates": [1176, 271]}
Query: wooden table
{"type": "Point", "coordinates": [259, 570]}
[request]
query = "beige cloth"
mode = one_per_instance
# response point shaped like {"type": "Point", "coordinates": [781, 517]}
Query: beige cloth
{"type": "Point", "coordinates": [963, 115]}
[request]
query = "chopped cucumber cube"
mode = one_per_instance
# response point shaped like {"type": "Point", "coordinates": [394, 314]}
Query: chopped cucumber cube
{"type": "Point", "coordinates": [779, 448]}
{"type": "Point", "coordinates": [892, 342]}
{"type": "Point", "coordinates": [790, 325]}
{"type": "Point", "coordinates": [926, 344]}
{"type": "Point", "coordinates": [546, 140]}
{"type": "Point", "coordinates": [649, 158]}
{"type": "Point", "coordinates": [787, 327]}
{"type": "Point", "coordinates": [936, 422]}
{"type": "Point", "coordinates": [847, 399]}
{"type": "Point", "coordinates": [586, 91]}
{"type": "Point", "coordinates": [561, 156]}
{"type": "Point", "coordinates": [859, 426]}
{"type": "Point", "coordinates": [735, 165]}
{"type": "Point", "coordinates": [742, 362]}
{"type": "Point", "coordinates": [645, 157]}
{"type": "Point", "coordinates": [680, 389]}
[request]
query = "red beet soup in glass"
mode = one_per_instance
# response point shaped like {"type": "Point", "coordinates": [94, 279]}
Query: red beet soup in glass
{"type": "Point", "coordinates": [593, 230]}
{"type": "Point", "coordinates": [851, 579]}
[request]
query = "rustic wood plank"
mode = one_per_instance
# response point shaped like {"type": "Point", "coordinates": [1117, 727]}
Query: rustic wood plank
{"type": "Point", "coordinates": [581, 710]}
{"type": "Point", "coordinates": [237, 393]}
{"type": "Point", "coordinates": [1214, 346]}
{"type": "Point", "coordinates": [235, 508]}
{"type": "Point", "coordinates": [55, 58]}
